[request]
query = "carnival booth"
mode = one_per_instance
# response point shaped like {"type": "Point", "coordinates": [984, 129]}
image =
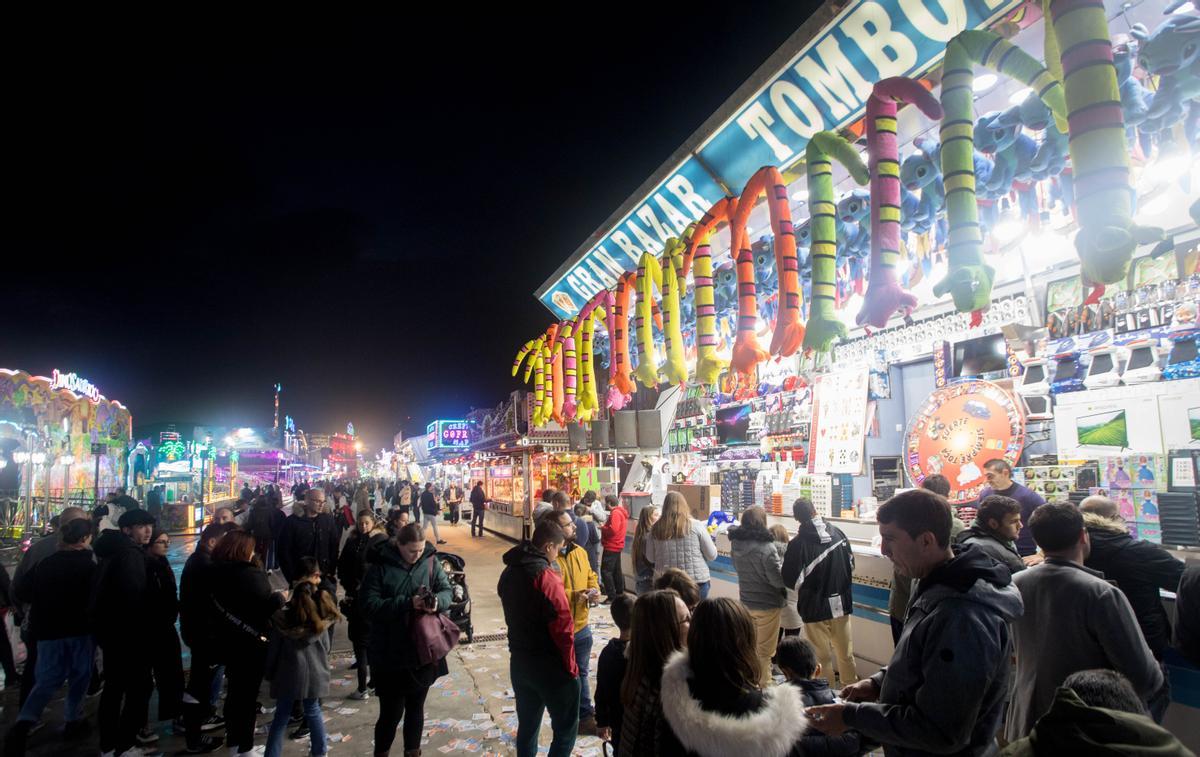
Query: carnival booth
{"type": "Point", "coordinates": [61, 442]}
{"type": "Point", "coordinates": [928, 239]}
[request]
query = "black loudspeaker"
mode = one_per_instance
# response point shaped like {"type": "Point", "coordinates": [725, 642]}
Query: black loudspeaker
{"type": "Point", "coordinates": [625, 429]}
{"type": "Point", "coordinates": [649, 429]}
{"type": "Point", "coordinates": [601, 434]}
{"type": "Point", "coordinates": [577, 437]}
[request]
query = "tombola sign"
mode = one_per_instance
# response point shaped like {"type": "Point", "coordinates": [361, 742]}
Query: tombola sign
{"type": "Point", "coordinates": [958, 429]}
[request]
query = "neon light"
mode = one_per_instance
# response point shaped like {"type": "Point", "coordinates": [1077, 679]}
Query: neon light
{"type": "Point", "coordinates": [74, 383]}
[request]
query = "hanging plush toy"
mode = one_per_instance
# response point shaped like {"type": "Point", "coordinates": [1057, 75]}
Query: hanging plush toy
{"type": "Point", "coordinates": [566, 341]}
{"type": "Point", "coordinates": [620, 374]}
{"type": "Point", "coordinates": [823, 324]}
{"type": "Point", "coordinates": [725, 296]}
{"type": "Point", "coordinates": [649, 278]}
{"type": "Point", "coordinates": [520, 358]}
{"type": "Point", "coordinates": [555, 363]}
{"type": "Point", "coordinates": [533, 351]}
{"type": "Point", "coordinates": [969, 280]}
{"type": "Point", "coordinates": [746, 351]}
{"type": "Point", "coordinates": [1171, 52]}
{"type": "Point", "coordinates": [1050, 155]}
{"type": "Point", "coordinates": [1135, 98]}
{"type": "Point", "coordinates": [765, 281]}
{"type": "Point", "coordinates": [699, 254]}
{"type": "Point", "coordinates": [675, 369]}
{"type": "Point", "coordinates": [1107, 234]}
{"type": "Point", "coordinates": [589, 402]}
{"type": "Point", "coordinates": [884, 294]}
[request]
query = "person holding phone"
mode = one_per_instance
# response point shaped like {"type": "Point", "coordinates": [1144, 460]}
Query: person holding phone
{"type": "Point", "coordinates": [582, 586]}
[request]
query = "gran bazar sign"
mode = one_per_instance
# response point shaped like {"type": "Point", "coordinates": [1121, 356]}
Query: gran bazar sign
{"type": "Point", "coordinates": [824, 86]}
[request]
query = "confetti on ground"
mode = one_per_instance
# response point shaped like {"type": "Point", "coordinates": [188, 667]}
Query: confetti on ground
{"type": "Point", "coordinates": [346, 710]}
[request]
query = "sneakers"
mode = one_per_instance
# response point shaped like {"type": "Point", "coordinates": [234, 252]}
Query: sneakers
{"type": "Point", "coordinates": [296, 719]}
{"type": "Point", "coordinates": [300, 733]}
{"type": "Point", "coordinates": [360, 696]}
{"type": "Point", "coordinates": [214, 722]}
{"type": "Point", "coordinates": [146, 736]}
{"type": "Point", "coordinates": [441, 541]}
{"type": "Point", "coordinates": [207, 744]}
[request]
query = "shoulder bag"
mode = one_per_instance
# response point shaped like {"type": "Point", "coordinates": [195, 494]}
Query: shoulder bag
{"type": "Point", "coordinates": [434, 634]}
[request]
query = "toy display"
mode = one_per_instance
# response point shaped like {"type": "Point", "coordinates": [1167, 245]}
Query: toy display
{"type": "Point", "coordinates": [620, 373]}
{"type": "Point", "coordinates": [649, 277]}
{"type": "Point", "coordinates": [708, 364]}
{"type": "Point", "coordinates": [675, 370]}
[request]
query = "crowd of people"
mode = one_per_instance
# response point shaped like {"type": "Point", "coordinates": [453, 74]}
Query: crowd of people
{"type": "Point", "coordinates": [1055, 650]}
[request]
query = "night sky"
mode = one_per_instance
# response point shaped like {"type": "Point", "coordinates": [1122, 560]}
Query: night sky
{"type": "Point", "coordinates": [359, 208]}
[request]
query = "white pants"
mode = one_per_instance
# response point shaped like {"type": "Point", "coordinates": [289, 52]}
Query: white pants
{"type": "Point", "coordinates": [432, 518]}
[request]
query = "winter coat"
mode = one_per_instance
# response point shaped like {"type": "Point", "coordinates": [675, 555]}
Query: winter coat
{"type": "Point", "coordinates": [612, 533]}
{"type": "Point", "coordinates": [1074, 620]}
{"type": "Point", "coordinates": [577, 575]}
{"type": "Point", "coordinates": [610, 673]}
{"type": "Point", "coordinates": [1072, 727]}
{"type": "Point", "coordinates": [162, 598]}
{"type": "Point", "coordinates": [1029, 501]}
{"type": "Point", "coordinates": [243, 603]}
{"type": "Point", "coordinates": [22, 588]}
{"type": "Point", "coordinates": [119, 592]}
{"type": "Point", "coordinates": [1140, 569]}
{"type": "Point", "coordinates": [429, 503]}
{"type": "Point", "coordinates": [1003, 552]}
{"type": "Point", "coordinates": [309, 537]}
{"type": "Point", "coordinates": [820, 564]}
{"type": "Point", "coordinates": [195, 603]}
{"type": "Point", "coordinates": [768, 723]}
{"type": "Point", "coordinates": [60, 585]}
{"type": "Point", "coordinates": [757, 562]}
{"type": "Point", "coordinates": [352, 564]}
{"type": "Point", "coordinates": [298, 656]}
{"type": "Point", "coordinates": [541, 628]}
{"type": "Point", "coordinates": [692, 553]}
{"type": "Point", "coordinates": [478, 499]}
{"type": "Point", "coordinates": [902, 586]}
{"type": "Point", "coordinates": [265, 522]}
{"type": "Point", "coordinates": [644, 731]}
{"type": "Point", "coordinates": [814, 692]}
{"type": "Point", "coordinates": [386, 594]}
{"type": "Point", "coordinates": [1187, 613]}
{"type": "Point", "coordinates": [945, 688]}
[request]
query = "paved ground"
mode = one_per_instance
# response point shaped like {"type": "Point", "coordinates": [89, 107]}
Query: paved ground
{"type": "Point", "coordinates": [469, 711]}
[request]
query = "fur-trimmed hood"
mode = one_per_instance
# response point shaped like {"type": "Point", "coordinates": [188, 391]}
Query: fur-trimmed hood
{"type": "Point", "coordinates": [772, 731]}
{"type": "Point", "coordinates": [1100, 523]}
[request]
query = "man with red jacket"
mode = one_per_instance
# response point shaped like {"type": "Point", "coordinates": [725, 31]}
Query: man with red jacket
{"type": "Point", "coordinates": [612, 538]}
{"type": "Point", "coordinates": [541, 641]}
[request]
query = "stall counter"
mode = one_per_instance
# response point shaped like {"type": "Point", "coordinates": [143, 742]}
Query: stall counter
{"type": "Point", "coordinates": [503, 524]}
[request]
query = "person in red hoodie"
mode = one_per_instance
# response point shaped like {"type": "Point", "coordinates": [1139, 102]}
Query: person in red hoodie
{"type": "Point", "coordinates": [541, 641]}
{"type": "Point", "coordinates": [612, 538]}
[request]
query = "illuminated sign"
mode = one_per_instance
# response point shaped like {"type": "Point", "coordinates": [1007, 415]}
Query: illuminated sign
{"type": "Point", "coordinates": [74, 383]}
{"type": "Point", "coordinates": [449, 435]}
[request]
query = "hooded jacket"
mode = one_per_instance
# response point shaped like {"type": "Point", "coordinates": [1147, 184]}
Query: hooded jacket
{"type": "Point", "coordinates": [243, 602]}
{"type": "Point", "coordinates": [1074, 620]}
{"type": "Point", "coordinates": [815, 692]}
{"type": "Point", "coordinates": [541, 628]}
{"type": "Point", "coordinates": [119, 597]}
{"type": "Point", "coordinates": [820, 564]}
{"type": "Point", "coordinates": [352, 564]}
{"type": "Point", "coordinates": [162, 597]}
{"type": "Point", "coordinates": [386, 597]}
{"type": "Point", "coordinates": [1139, 569]}
{"type": "Point", "coordinates": [1072, 727]}
{"type": "Point", "coordinates": [767, 723]}
{"type": "Point", "coordinates": [1003, 552]}
{"type": "Point", "coordinates": [612, 533]}
{"type": "Point", "coordinates": [308, 537]}
{"type": "Point", "coordinates": [298, 656]}
{"type": "Point", "coordinates": [758, 563]}
{"type": "Point", "coordinates": [195, 603]}
{"type": "Point", "coordinates": [945, 687]}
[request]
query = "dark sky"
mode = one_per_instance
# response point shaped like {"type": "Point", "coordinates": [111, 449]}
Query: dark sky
{"type": "Point", "coordinates": [357, 207]}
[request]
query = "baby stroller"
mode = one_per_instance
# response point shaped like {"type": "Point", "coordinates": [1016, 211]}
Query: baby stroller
{"type": "Point", "coordinates": [460, 596]}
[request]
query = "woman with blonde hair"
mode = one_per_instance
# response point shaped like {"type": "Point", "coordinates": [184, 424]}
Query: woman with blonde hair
{"type": "Point", "coordinates": [643, 569]}
{"type": "Point", "coordinates": [678, 540]}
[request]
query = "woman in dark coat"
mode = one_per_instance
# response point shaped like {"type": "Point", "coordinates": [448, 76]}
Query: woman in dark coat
{"type": "Point", "coordinates": [352, 565]}
{"type": "Point", "coordinates": [243, 602]}
{"type": "Point", "coordinates": [163, 640]}
{"type": "Point", "coordinates": [391, 595]}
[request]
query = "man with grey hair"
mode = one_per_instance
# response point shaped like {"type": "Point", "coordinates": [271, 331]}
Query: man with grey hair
{"type": "Point", "coordinates": [1139, 569]}
{"type": "Point", "coordinates": [22, 590]}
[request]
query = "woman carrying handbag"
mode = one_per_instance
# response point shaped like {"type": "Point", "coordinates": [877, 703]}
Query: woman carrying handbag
{"type": "Point", "coordinates": [404, 594]}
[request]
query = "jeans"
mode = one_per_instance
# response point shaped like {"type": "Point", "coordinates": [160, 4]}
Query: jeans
{"type": "Point", "coordinates": [218, 682]}
{"type": "Point", "coordinates": [454, 514]}
{"type": "Point", "coordinates": [538, 690]}
{"type": "Point", "coordinates": [392, 708]}
{"type": "Point", "coordinates": [429, 518]}
{"type": "Point", "coordinates": [198, 704]}
{"type": "Point", "coordinates": [279, 724]}
{"type": "Point", "coordinates": [477, 520]}
{"type": "Point", "coordinates": [61, 660]}
{"type": "Point", "coordinates": [127, 689]}
{"type": "Point", "coordinates": [245, 669]}
{"type": "Point", "coordinates": [583, 654]}
{"type": "Point", "coordinates": [27, 680]}
{"type": "Point", "coordinates": [704, 587]}
{"type": "Point", "coordinates": [611, 576]}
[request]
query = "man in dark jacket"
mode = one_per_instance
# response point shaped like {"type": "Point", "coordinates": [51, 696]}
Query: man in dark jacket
{"type": "Point", "coordinates": [154, 502]}
{"type": "Point", "coordinates": [310, 532]}
{"type": "Point", "coordinates": [117, 612]}
{"type": "Point", "coordinates": [1140, 569]}
{"type": "Point", "coordinates": [125, 501]}
{"type": "Point", "coordinates": [999, 478]}
{"type": "Point", "coordinates": [945, 687]}
{"type": "Point", "coordinates": [819, 563]}
{"type": "Point", "coordinates": [429, 511]}
{"type": "Point", "coordinates": [541, 641]}
{"type": "Point", "coordinates": [1187, 611]}
{"type": "Point", "coordinates": [995, 531]}
{"type": "Point", "coordinates": [195, 618]}
{"type": "Point", "coordinates": [478, 507]}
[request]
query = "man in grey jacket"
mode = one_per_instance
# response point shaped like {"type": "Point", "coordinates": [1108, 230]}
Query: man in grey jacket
{"type": "Point", "coordinates": [945, 687]}
{"type": "Point", "coordinates": [995, 531]}
{"type": "Point", "coordinates": [1074, 620]}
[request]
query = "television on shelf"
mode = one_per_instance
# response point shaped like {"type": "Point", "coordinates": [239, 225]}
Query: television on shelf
{"type": "Point", "coordinates": [1105, 368]}
{"type": "Point", "coordinates": [1035, 379]}
{"type": "Point", "coordinates": [981, 356]}
{"type": "Point", "coordinates": [1106, 429]}
{"type": "Point", "coordinates": [733, 425]}
{"type": "Point", "coordinates": [1037, 407]}
{"type": "Point", "coordinates": [1142, 365]}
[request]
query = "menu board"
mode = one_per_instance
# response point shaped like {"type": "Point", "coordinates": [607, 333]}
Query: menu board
{"type": "Point", "coordinates": [839, 420]}
{"type": "Point", "coordinates": [958, 429]}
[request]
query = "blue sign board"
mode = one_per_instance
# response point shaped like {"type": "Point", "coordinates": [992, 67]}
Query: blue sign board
{"type": "Point", "coordinates": [825, 86]}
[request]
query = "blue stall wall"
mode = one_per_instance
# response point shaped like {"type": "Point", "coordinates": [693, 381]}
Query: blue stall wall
{"type": "Point", "coordinates": [911, 384]}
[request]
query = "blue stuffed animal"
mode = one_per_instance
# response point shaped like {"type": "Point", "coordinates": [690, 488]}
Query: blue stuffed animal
{"type": "Point", "coordinates": [725, 299]}
{"type": "Point", "coordinates": [853, 224]}
{"type": "Point", "coordinates": [1012, 152]}
{"type": "Point", "coordinates": [1050, 157]}
{"type": "Point", "coordinates": [1135, 99]}
{"type": "Point", "coordinates": [1172, 53]}
{"type": "Point", "coordinates": [922, 172]}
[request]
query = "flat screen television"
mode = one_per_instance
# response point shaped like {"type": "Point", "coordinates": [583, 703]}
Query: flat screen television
{"type": "Point", "coordinates": [1107, 429]}
{"type": "Point", "coordinates": [979, 356]}
{"type": "Point", "coordinates": [733, 424]}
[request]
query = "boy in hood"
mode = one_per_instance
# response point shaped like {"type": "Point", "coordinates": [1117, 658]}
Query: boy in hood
{"type": "Point", "coordinates": [945, 687]}
{"type": "Point", "coordinates": [995, 531]}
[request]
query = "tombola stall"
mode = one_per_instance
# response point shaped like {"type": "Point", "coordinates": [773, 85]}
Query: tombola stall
{"type": "Point", "coordinates": [924, 235]}
{"type": "Point", "coordinates": [61, 441]}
